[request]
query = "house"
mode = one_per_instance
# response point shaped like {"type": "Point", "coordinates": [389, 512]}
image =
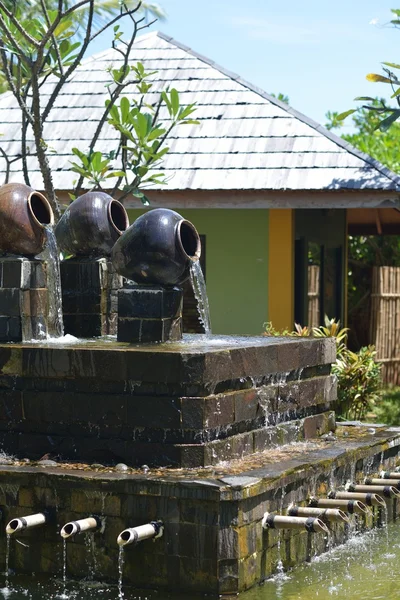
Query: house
{"type": "Point", "coordinates": [266, 187]}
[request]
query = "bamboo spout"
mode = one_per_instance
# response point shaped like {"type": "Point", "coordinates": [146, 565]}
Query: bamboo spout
{"type": "Point", "coordinates": [27, 522]}
{"type": "Point", "coordinates": [310, 524]}
{"type": "Point", "coordinates": [369, 499]}
{"type": "Point", "coordinates": [381, 481]}
{"type": "Point", "coordinates": [386, 490]}
{"type": "Point", "coordinates": [350, 506]}
{"type": "Point", "coordinates": [389, 475]}
{"type": "Point", "coordinates": [325, 514]}
{"type": "Point", "coordinates": [134, 535]}
{"type": "Point", "coordinates": [73, 527]}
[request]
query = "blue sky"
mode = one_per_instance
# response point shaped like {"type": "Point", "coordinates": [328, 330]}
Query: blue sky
{"type": "Point", "coordinates": [316, 52]}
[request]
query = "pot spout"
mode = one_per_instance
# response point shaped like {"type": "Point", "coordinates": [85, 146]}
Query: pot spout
{"type": "Point", "coordinates": [134, 535]}
{"type": "Point", "coordinates": [27, 522]}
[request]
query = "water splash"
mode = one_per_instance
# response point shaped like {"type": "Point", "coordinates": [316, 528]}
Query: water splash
{"type": "Point", "coordinates": [200, 293]}
{"type": "Point", "coordinates": [121, 559]}
{"type": "Point", "coordinates": [51, 255]}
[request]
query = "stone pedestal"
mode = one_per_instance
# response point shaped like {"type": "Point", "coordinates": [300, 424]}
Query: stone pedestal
{"type": "Point", "coordinates": [149, 314]}
{"type": "Point", "coordinates": [23, 299]}
{"type": "Point", "coordinates": [89, 296]}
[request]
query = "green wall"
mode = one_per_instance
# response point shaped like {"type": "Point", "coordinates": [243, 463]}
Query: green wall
{"type": "Point", "coordinates": [236, 266]}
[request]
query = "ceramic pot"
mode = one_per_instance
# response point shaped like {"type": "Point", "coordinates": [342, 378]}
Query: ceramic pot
{"type": "Point", "coordinates": [24, 214]}
{"type": "Point", "coordinates": [91, 225]}
{"type": "Point", "coordinates": [158, 248]}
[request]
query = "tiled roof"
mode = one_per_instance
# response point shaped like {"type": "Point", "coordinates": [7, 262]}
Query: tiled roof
{"type": "Point", "coordinates": [246, 140]}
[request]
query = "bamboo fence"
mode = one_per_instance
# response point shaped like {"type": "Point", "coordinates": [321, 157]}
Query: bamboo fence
{"type": "Point", "coordinates": [313, 295]}
{"type": "Point", "coordinates": [385, 321]}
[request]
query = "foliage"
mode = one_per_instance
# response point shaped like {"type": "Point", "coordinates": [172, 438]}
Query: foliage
{"type": "Point", "coordinates": [359, 381]}
{"type": "Point", "coordinates": [386, 114]}
{"type": "Point", "coordinates": [382, 145]}
{"type": "Point", "coordinates": [41, 44]}
{"type": "Point", "coordinates": [282, 97]}
{"type": "Point", "coordinates": [387, 409]}
{"type": "Point", "coordinates": [358, 375]}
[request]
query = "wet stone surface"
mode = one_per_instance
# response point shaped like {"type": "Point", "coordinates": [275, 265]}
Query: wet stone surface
{"type": "Point", "coordinates": [213, 541]}
{"type": "Point", "coordinates": [89, 296]}
{"type": "Point", "coordinates": [23, 299]}
{"type": "Point", "coordinates": [189, 404]}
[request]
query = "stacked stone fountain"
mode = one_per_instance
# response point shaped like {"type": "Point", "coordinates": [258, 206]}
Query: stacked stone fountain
{"type": "Point", "coordinates": [206, 416]}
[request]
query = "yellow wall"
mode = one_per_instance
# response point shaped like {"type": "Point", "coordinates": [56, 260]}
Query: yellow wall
{"type": "Point", "coordinates": [281, 268]}
{"type": "Point", "coordinates": [236, 266]}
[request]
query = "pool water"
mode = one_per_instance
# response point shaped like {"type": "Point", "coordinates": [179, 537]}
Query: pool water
{"type": "Point", "coordinates": [365, 568]}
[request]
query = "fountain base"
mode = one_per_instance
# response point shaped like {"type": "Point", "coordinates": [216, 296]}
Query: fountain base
{"type": "Point", "coordinates": [23, 299]}
{"type": "Point", "coordinates": [89, 296]}
{"type": "Point", "coordinates": [188, 404]}
{"type": "Point", "coordinates": [149, 314]}
{"type": "Point", "coordinates": [213, 539]}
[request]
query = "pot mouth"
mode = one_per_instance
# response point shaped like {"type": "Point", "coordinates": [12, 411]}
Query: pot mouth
{"type": "Point", "coordinates": [118, 216]}
{"type": "Point", "coordinates": [188, 239]}
{"type": "Point", "coordinates": [40, 209]}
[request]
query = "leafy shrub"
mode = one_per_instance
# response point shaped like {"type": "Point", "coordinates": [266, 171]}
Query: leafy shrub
{"type": "Point", "coordinates": [358, 375]}
{"type": "Point", "coordinates": [388, 409]}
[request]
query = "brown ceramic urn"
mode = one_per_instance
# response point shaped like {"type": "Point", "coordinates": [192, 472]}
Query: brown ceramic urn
{"type": "Point", "coordinates": [24, 214]}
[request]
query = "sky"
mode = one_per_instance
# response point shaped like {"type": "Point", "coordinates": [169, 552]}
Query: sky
{"type": "Point", "coordinates": [314, 51]}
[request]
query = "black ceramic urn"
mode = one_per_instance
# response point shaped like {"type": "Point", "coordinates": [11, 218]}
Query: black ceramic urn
{"type": "Point", "coordinates": [158, 248]}
{"type": "Point", "coordinates": [91, 225]}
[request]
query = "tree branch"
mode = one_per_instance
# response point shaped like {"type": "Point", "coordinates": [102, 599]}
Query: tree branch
{"type": "Point", "coordinates": [73, 66]}
{"type": "Point", "coordinates": [18, 25]}
{"type": "Point", "coordinates": [13, 88]}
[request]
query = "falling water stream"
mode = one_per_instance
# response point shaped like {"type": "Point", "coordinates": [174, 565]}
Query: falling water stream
{"type": "Point", "coordinates": [51, 256]}
{"type": "Point", "coordinates": [121, 558]}
{"type": "Point", "coordinates": [200, 293]}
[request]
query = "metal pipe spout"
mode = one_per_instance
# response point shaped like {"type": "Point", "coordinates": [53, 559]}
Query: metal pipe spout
{"type": "Point", "coordinates": [369, 499]}
{"type": "Point", "coordinates": [73, 527]}
{"type": "Point", "coordinates": [310, 524]}
{"type": "Point", "coordinates": [386, 490]}
{"type": "Point", "coordinates": [325, 514]}
{"type": "Point", "coordinates": [349, 506]}
{"type": "Point", "coordinates": [27, 522]}
{"type": "Point", "coordinates": [134, 535]}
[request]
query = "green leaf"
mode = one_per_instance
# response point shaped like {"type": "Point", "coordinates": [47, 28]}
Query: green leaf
{"type": "Point", "coordinates": [378, 78]}
{"type": "Point", "coordinates": [365, 98]}
{"type": "Point", "coordinates": [174, 101]}
{"type": "Point", "coordinates": [189, 122]}
{"type": "Point", "coordinates": [386, 123]}
{"type": "Point", "coordinates": [345, 114]}
{"type": "Point", "coordinates": [125, 109]}
{"type": "Point", "coordinates": [392, 65]}
{"type": "Point", "coordinates": [116, 174]}
{"type": "Point", "coordinates": [156, 133]}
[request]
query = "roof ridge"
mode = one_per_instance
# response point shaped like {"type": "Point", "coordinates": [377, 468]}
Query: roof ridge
{"type": "Point", "coordinates": [295, 113]}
